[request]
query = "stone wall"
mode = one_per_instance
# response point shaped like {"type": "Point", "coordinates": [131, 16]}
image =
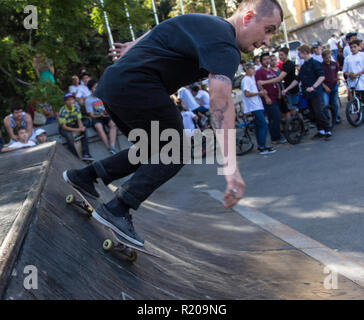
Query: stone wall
{"type": "Point", "coordinates": [322, 28]}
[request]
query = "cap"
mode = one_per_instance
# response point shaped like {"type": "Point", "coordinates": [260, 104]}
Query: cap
{"type": "Point", "coordinates": [67, 95]}
{"type": "Point", "coordinates": [315, 44]}
{"type": "Point", "coordinates": [39, 132]}
{"type": "Point", "coordinates": [249, 64]}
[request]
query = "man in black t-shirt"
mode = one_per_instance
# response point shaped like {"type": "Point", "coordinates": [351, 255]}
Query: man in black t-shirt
{"type": "Point", "coordinates": [287, 75]}
{"type": "Point", "coordinates": [136, 92]}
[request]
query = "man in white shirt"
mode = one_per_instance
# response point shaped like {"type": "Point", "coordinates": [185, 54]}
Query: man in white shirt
{"type": "Point", "coordinates": [253, 104]}
{"type": "Point", "coordinates": [351, 36]}
{"type": "Point", "coordinates": [316, 48]}
{"type": "Point", "coordinates": [188, 118]}
{"type": "Point", "coordinates": [75, 84]}
{"type": "Point", "coordinates": [83, 91]}
{"type": "Point", "coordinates": [187, 99]}
{"type": "Point", "coordinates": [203, 99]}
{"type": "Point", "coordinates": [333, 46]}
{"type": "Point", "coordinates": [354, 67]}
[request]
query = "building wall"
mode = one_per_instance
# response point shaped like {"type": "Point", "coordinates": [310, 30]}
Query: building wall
{"type": "Point", "coordinates": [326, 17]}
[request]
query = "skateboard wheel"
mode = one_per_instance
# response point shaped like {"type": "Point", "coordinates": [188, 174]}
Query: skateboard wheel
{"type": "Point", "coordinates": [107, 245]}
{"type": "Point", "coordinates": [70, 198]}
{"type": "Point", "coordinates": [133, 256]}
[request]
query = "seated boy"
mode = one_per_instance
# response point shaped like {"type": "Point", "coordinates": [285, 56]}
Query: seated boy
{"type": "Point", "coordinates": [46, 109]}
{"type": "Point", "coordinates": [41, 136]}
{"type": "Point", "coordinates": [22, 140]}
{"type": "Point", "coordinates": [69, 119]}
{"type": "Point", "coordinates": [96, 110]}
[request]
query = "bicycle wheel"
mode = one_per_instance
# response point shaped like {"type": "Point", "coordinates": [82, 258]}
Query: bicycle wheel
{"type": "Point", "coordinates": [330, 114]}
{"type": "Point", "coordinates": [244, 143]}
{"type": "Point", "coordinates": [294, 130]}
{"type": "Point", "coordinates": [354, 113]}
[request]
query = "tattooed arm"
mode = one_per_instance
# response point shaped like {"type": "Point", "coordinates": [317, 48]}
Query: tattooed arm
{"type": "Point", "coordinates": [223, 117]}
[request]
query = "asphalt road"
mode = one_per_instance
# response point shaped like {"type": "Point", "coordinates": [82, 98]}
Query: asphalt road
{"type": "Point", "coordinates": [315, 187]}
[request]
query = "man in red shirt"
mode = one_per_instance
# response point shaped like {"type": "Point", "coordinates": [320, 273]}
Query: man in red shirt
{"type": "Point", "coordinates": [330, 95]}
{"type": "Point", "coordinates": [271, 102]}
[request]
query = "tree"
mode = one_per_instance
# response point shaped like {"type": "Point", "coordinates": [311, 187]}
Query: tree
{"type": "Point", "coordinates": [70, 33]}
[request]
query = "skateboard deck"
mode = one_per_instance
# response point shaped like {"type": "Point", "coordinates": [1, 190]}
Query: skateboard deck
{"type": "Point", "coordinates": [112, 241]}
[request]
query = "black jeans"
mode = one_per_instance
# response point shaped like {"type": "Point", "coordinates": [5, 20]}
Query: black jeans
{"type": "Point", "coordinates": [274, 120]}
{"type": "Point", "coordinates": [316, 106]}
{"type": "Point", "coordinates": [147, 176]}
{"type": "Point", "coordinates": [71, 142]}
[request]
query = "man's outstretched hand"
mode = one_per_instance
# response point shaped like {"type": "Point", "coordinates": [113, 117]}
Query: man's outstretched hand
{"type": "Point", "coordinates": [119, 50]}
{"type": "Point", "coordinates": [235, 187]}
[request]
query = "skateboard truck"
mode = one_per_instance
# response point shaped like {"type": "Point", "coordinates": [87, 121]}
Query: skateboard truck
{"type": "Point", "coordinates": [108, 245]}
{"type": "Point", "coordinates": [129, 253]}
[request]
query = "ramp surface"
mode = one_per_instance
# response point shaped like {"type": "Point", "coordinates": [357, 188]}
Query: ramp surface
{"type": "Point", "coordinates": [206, 252]}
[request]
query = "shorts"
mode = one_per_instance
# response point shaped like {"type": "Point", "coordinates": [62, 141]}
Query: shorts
{"type": "Point", "coordinates": [292, 101]}
{"type": "Point", "coordinates": [104, 121]}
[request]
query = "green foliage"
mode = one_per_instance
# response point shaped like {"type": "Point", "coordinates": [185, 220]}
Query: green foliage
{"type": "Point", "coordinates": [45, 92]}
{"type": "Point", "coordinates": [73, 35]}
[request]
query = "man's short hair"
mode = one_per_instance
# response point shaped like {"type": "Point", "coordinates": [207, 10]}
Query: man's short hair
{"type": "Point", "coordinates": [350, 35]}
{"type": "Point", "coordinates": [195, 88]}
{"type": "Point", "coordinates": [304, 48]}
{"type": "Point", "coordinates": [357, 42]}
{"type": "Point", "coordinates": [285, 50]}
{"type": "Point", "coordinates": [264, 8]}
{"type": "Point", "coordinates": [18, 128]}
{"type": "Point", "coordinates": [326, 53]}
{"type": "Point", "coordinates": [84, 74]}
{"type": "Point", "coordinates": [264, 54]}
{"type": "Point", "coordinates": [90, 84]}
{"type": "Point", "coordinates": [16, 106]}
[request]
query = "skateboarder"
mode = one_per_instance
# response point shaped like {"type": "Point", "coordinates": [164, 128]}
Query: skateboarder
{"type": "Point", "coordinates": [136, 90]}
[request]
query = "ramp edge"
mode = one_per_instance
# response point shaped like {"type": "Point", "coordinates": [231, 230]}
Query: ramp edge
{"type": "Point", "coordinates": [11, 245]}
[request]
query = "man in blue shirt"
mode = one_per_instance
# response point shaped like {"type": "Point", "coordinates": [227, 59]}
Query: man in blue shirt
{"type": "Point", "coordinates": [311, 76]}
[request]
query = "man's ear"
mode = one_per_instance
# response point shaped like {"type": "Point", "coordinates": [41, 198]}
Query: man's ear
{"type": "Point", "coordinates": [247, 17]}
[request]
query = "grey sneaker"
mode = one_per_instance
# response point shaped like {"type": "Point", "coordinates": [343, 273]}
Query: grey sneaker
{"type": "Point", "coordinates": [84, 184]}
{"type": "Point", "coordinates": [123, 226]}
{"type": "Point", "coordinates": [283, 140]}
{"type": "Point", "coordinates": [87, 157]}
{"type": "Point", "coordinates": [113, 150]}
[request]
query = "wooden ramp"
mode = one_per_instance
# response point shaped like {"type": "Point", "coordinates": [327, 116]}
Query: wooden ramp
{"type": "Point", "coordinates": [206, 252]}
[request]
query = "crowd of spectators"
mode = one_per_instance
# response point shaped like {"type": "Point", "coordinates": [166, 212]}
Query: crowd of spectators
{"type": "Point", "coordinates": [81, 110]}
{"type": "Point", "coordinates": [270, 88]}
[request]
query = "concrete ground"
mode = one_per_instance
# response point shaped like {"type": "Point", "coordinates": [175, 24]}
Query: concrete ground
{"type": "Point", "coordinates": [315, 187]}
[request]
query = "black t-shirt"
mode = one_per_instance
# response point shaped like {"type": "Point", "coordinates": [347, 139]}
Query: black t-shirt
{"type": "Point", "coordinates": [177, 52]}
{"type": "Point", "coordinates": [310, 71]}
{"type": "Point", "coordinates": [290, 68]}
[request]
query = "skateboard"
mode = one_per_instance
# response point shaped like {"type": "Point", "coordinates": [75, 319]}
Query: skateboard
{"type": "Point", "coordinates": [112, 242]}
